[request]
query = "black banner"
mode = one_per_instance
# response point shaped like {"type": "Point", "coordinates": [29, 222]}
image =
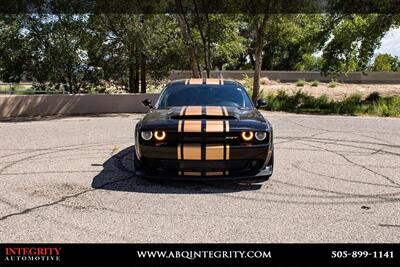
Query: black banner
{"type": "Point", "coordinates": [200, 255]}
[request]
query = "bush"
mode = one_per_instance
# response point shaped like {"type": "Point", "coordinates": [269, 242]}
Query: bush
{"type": "Point", "coordinates": [332, 84]}
{"type": "Point", "coordinates": [315, 83]}
{"type": "Point", "coordinates": [374, 97]}
{"type": "Point", "coordinates": [300, 82]}
{"type": "Point", "coordinates": [301, 102]}
{"type": "Point", "coordinates": [248, 84]}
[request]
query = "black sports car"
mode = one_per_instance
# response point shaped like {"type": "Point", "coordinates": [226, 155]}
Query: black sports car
{"type": "Point", "coordinates": [204, 129]}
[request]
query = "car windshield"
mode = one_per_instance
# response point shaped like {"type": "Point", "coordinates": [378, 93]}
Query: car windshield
{"type": "Point", "coordinates": [205, 95]}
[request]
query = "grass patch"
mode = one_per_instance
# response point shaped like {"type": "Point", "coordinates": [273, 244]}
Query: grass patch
{"type": "Point", "coordinates": [17, 89]}
{"type": "Point", "coordinates": [315, 83]}
{"type": "Point", "coordinates": [353, 105]}
{"type": "Point", "coordinates": [300, 82]}
{"type": "Point", "coordinates": [332, 84]}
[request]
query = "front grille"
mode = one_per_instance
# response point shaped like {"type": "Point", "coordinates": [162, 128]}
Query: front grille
{"type": "Point", "coordinates": [199, 165]}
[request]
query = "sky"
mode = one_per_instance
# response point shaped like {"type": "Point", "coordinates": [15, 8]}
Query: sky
{"type": "Point", "coordinates": [390, 43]}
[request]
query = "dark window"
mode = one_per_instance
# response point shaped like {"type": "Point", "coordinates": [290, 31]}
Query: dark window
{"type": "Point", "coordinates": [204, 95]}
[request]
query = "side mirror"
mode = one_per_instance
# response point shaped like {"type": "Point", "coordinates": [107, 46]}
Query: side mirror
{"type": "Point", "coordinates": [147, 103]}
{"type": "Point", "coordinates": [261, 103]}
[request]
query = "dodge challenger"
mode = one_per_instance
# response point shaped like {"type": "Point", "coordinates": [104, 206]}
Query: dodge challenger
{"type": "Point", "coordinates": [204, 129]}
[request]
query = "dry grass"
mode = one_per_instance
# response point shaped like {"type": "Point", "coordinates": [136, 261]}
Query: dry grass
{"type": "Point", "coordinates": [340, 92]}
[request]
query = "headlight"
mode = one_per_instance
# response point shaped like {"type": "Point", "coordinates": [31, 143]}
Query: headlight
{"type": "Point", "coordinates": [260, 135]}
{"type": "Point", "coordinates": [159, 135]}
{"type": "Point", "coordinates": [146, 135]}
{"type": "Point", "coordinates": [247, 136]}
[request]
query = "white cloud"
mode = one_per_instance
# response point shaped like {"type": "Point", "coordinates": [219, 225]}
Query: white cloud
{"type": "Point", "coordinates": [390, 43]}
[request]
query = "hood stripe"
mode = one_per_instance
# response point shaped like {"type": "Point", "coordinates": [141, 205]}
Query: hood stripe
{"type": "Point", "coordinates": [203, 125]}
{"type": "Point", "coordinates": [194, 111]}
{"type": "Point", "coordinates": [213, 81]}
{"type": "Point", "coordinates": [214, 111]}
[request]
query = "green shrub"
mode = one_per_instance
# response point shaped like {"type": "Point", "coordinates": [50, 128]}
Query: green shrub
{"type": "Point", "coordinates": [248, 84]}
{"type": "Point", "coordinates": [374, 97]}
{"type": "Point", "coordinates": [301, 102]}
{"type": "Point", "coordinates": [332, 84]}
{"type": "Point", "coordinates": [350, 105]}
{"type": "Point", "coordinates": [300, 82]}
{"type": "Point", "coordinates": [315, 83]}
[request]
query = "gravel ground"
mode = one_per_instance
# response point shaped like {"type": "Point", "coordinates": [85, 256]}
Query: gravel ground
{"type": "Point", "coordinates": [336, 179]}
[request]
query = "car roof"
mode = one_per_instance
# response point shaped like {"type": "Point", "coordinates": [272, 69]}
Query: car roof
{"type": "Point", "coordinates": [200, 81]}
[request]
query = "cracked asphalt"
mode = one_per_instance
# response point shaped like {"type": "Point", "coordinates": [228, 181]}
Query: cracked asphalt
{"type": "Point", "coordinates": [337, 179]}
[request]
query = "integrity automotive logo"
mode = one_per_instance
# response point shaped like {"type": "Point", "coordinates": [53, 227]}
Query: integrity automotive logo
{"type": "Point", "coordinates": [32, 254]}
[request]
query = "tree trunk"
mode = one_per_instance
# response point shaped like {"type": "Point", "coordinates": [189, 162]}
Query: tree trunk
{"type": "Point", "coordinates": [208, 55]}
{"type": "Point", "coordinates": [70, 85]}
{"type": "Point", "coordinates": [183, 25]}
{"type": "Point", "coordinates": [258, 56]}
{"type": "Point", "coordinates": [131, 75]}
{"type": "Point", "coordinates": [136, 81]}
{"type": "Point", "coordinates": [206, 52]}
{"type": "Point", "coordinates": [131, 69]}
{"type": "Point", "coordinates": [205, 38]}
{"type": "Point", "coordinates": [143, 73]}
{"type": "Point", "coordinates": [71, 89]}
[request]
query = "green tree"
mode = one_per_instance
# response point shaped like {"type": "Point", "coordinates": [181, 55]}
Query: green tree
{"type": "Point", "coordinates": [14, 49]}
{"type": "Point", "coordinates": [130, 47]}
{"type": "Point", "coordinates": [385, 62]}
{"type": "Point", "coordinates": [44, 48]}
{"type": "Point", "coordinates": [292, 39]}
{"type": "Point", "coordinates": [353, 40]}
{"type": "Point", "coordinates": [212, 40]}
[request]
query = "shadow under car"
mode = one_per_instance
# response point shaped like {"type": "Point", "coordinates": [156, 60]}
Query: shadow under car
{"type": "Point", "coordinates": [118, 175]}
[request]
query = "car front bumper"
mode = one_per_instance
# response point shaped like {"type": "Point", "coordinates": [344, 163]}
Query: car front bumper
{"type": "Point", "coordinates": [254, 176]}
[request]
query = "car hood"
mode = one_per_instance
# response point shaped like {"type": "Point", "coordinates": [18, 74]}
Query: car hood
{"type": "Point", "coordinates": [241, 119]}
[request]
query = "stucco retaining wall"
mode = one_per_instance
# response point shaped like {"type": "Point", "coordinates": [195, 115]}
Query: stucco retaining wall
{"type": "Point", "coordinates": [46, 105]}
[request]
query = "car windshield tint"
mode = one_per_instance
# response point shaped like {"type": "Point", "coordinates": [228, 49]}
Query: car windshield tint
{"type": "Point", "coordinates": [205, 95]}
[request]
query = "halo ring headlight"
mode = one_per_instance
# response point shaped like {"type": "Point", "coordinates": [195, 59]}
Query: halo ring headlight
{"type": "Point", "coordinates": [247, 136]}
{"type": "Point", "coordinates": [146, 135]}
{"type": "Point", "coordinates": [260, 136]}
{"type": "Point", "coordinates": [160, 135]}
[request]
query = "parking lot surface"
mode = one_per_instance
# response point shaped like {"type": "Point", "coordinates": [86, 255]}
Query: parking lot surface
{"type": "Point", "coordinates": [336, 179]}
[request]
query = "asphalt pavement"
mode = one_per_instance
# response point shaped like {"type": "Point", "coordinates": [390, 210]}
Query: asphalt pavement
{"type": "Point", "coordinates": [336, 179]}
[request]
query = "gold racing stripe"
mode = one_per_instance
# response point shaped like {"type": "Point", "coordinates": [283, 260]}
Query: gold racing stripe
{"type": "Point", "coordinates": [194, 111]}
{"type": "Point", "coordinates": [179, 125]}
{"type": "Point", "coordinates": [192, 126]}
{"type": "Point", "coordinates": [212, 81]}
{"type": "Point", "coordinates": [182, 111]}
{"type": "Point", "coordinates": [226, 126]}
{"type": "Point", "coordinates": [221, 173]}
{"type": "Point", "coordinates": [191, 152]}
{"type": "Point", "coordinates": [214, 126]}
{"type": "Point", "coordinates": [214, 152]}
{"type": "Point", "coordinates": [214, 173]}
{"type": "Point", "coordinates": [192, 173]}
{"type": "Point", "coordinates": [179, 151]}
{"type": "Point", "coordinates": [225, 111]}
{"type": "Point", "coordinates": [213, 111]}
{"type": "Point", "coordinates": [196, 81]}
